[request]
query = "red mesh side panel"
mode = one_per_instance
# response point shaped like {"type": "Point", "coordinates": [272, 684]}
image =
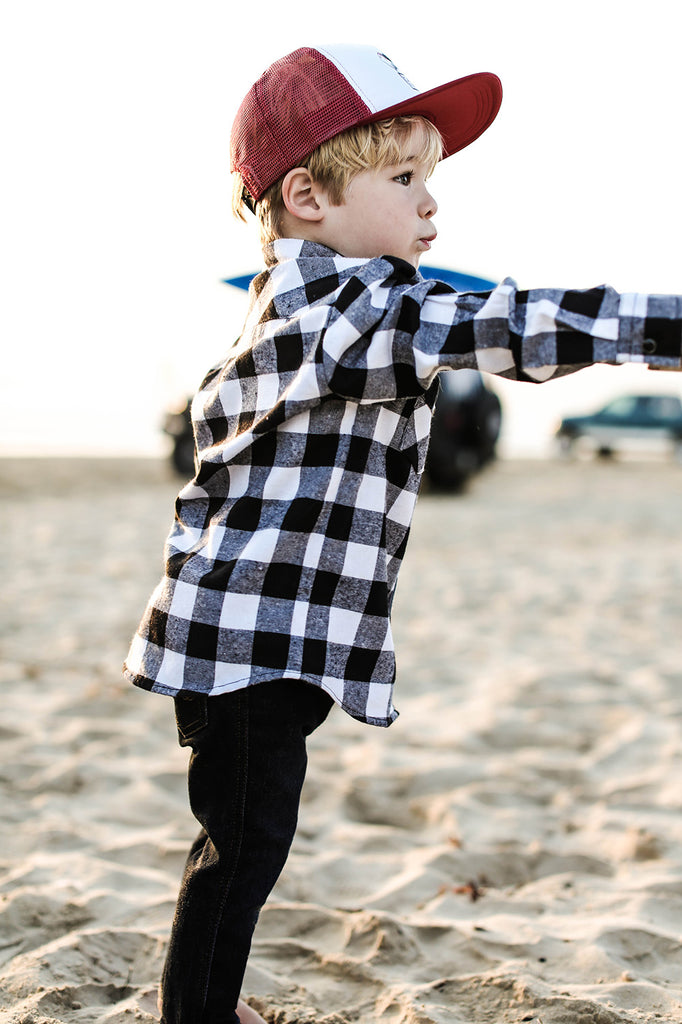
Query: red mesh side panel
{"type": "Point", "coordinates": [300, 102]}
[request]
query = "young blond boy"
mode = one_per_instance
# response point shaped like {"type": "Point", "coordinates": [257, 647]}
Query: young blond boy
{"type": "Point", "coordinates": [311, 437]}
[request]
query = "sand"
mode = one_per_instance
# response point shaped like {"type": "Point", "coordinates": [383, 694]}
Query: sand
{"type": "Point", "coordinates": [509, 850]}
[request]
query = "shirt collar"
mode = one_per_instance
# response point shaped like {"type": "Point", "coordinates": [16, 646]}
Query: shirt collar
{"type": "Point", "coordinates": [283, 249]}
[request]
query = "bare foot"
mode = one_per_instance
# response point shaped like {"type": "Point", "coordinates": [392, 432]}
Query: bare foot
{"type": "Point", "coordinates": [247, 1015]}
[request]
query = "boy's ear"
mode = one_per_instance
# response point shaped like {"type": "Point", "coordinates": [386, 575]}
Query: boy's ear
{"type": "Point", "coordinates": [302, 196]}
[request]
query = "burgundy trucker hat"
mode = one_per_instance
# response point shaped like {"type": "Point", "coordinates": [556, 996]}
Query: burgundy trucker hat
{"type": "Point", "coordinates": [314, 93]}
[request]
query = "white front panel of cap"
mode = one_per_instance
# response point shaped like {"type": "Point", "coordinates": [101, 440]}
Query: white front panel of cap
{"type": "Point", "coordinates": [371, 73]}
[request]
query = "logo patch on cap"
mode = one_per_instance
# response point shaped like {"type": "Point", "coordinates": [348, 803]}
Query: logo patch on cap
{"type": "Point", "coordinates": [387, 60]}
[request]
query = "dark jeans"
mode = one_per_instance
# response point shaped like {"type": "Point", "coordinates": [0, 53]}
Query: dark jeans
{"type": "Point", "coordinates": [245, 776]}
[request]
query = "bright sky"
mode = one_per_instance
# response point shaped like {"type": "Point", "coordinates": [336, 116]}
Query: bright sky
{"type": "Point", "coordinates": [115, 217]}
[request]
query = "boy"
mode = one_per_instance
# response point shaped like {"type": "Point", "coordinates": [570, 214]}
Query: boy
{"type": "Point", "coordinates": [311, 438]}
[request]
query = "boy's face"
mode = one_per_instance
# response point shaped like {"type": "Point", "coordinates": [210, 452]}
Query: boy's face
{"type": "Point", "coordinates": [386, 212]}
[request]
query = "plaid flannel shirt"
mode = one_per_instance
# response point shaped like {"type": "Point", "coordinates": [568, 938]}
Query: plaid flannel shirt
{"type": "Point", "coordinates": [311, 438]}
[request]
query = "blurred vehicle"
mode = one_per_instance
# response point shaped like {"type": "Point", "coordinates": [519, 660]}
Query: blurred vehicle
{"type": "Point", "coordinates": [643, 422]}
{"type": "Point", "coordinates": [466, 425]}
{"type": "Point", "coordinates": [177, 423]}
{"type": "Point", "coordinates": [467, 415]}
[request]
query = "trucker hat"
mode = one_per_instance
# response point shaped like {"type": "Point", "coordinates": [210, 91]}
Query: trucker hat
{"type": "Point", "coordinates": [314, 93]}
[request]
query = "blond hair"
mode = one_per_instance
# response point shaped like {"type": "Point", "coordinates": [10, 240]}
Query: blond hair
{"type": "Point", "coordinates": [334, 164]}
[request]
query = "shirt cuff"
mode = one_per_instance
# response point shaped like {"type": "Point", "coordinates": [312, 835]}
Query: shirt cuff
{"type": "Point", "coordinates": [650, 330]}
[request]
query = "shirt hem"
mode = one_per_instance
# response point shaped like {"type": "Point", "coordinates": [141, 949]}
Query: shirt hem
{"type": "Point", "coordinates": [153, 686]}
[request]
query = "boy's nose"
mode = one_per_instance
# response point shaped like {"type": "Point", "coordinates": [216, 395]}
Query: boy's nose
{"type": "Point", "coordinates": [429, 206]}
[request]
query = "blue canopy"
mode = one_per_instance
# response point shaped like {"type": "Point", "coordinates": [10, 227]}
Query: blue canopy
{"type": "Point", "coordinates": [460, 282]}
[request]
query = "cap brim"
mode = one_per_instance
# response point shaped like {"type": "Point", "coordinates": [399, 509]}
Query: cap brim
{"type": "Point", "coordinates": [461, 110]}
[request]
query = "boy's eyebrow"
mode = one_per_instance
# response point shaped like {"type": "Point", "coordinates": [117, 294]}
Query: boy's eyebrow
{"type": "Point", "coordinates": [412, 159]}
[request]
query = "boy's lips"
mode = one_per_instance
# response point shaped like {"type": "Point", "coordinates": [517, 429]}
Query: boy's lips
{"type": "Point", "coordinates": [427, 239]}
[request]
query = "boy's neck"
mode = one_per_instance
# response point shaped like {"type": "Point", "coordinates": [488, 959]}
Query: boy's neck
{"type": "Point", "coordinates": [295, 227]}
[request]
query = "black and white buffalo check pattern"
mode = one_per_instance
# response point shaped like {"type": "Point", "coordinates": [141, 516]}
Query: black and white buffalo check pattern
{"type": "Point", "coordinates": [311, 438]}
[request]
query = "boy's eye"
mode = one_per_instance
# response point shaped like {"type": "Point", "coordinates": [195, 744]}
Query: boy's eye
{"type": "Point", "coordinates": [405, 178]}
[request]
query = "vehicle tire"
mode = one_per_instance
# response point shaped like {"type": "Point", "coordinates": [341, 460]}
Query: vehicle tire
{"type": "Point", "coordinates": [566, 444]}
{"type": "Point", "coordinates": [449, 468]}
{"type": "Point", "coordinates": [453, 482]}
{"type": "Point", "coordinates": [182, 455]}
{"type": "Point", "coordinates": [490, 430]}
{"type": "Point", "coordinates": [677, 450]}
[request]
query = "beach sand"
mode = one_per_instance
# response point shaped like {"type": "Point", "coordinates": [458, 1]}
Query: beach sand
{"type": "Point", "coordinates": [509, 850]}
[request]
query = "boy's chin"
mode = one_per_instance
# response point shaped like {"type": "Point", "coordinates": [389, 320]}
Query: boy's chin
{"type": "Point", "coordinates": [411, 259]}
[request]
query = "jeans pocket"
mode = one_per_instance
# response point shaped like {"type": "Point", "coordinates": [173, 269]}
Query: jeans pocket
{"type": "Point", "coordinates": [191, 715]}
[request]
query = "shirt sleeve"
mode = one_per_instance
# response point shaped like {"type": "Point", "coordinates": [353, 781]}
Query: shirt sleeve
{"type": "Point", "coordinates": [386, 339]}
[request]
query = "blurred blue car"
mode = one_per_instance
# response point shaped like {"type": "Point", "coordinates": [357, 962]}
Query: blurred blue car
{"type": "Point", "coordinates": [641, 421]}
